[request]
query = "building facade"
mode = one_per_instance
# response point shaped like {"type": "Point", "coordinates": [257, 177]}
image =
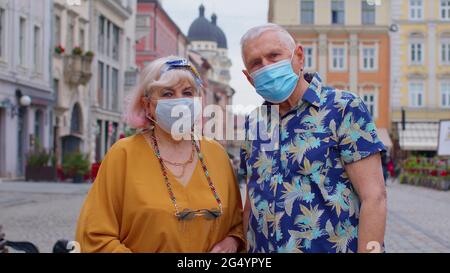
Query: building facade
{"type": "Point", "coordinates": [71, 77]}
{"type": "Point", "coordinates": [420, 71]}
{"type": "Point", "coordinates": [111, 39]}
{"type": "Point", "coordinates": [157, 34]}
{"type": "Point", "coordinates": [347, 42]}
{"type": "Point", "coordinates": [25, 61]}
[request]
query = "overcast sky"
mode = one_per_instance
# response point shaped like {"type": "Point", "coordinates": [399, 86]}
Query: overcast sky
{"type": "Point", "coordinates": [235, 17]}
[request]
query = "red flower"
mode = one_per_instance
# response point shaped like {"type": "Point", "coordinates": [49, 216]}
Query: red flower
{"type": "Point", "coordinates": [434, 173]}
{"type": "Point", "coordinates": [443, 173]}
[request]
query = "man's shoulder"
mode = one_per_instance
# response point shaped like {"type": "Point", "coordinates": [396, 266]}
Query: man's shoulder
{"type": "Point", "coordinates": [337, 98]}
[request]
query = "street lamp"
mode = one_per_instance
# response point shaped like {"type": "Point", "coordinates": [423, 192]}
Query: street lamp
{"type": "Point", "coordinates": [22, 101]}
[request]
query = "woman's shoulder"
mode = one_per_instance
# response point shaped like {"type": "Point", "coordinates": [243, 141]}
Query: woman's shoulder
{"type": "Point", "coordinates": [214, 148]}
{"type": "Point", "coordinates": [127, 144]}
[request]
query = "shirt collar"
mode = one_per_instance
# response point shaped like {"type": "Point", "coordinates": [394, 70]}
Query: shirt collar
{"type": "Point", "coordinates": [313, 92]}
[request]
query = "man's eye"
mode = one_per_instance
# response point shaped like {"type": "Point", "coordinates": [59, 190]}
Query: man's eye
{"type": "Point", "coordinates": [273, 55]}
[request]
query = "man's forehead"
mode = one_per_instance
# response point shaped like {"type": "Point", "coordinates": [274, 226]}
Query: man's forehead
{"type": "Point", "coordinates": [260, 45]}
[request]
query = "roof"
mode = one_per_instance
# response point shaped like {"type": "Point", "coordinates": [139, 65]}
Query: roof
{"type": "Point", "coordinates": [204, 30]}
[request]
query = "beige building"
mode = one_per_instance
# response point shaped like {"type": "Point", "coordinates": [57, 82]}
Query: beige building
{"type": "Point", "coordinates": [420, 71]}
{"type": "Point", "coordinates": [347, 42]}
{"type": "Point", "coordinates": [112, 40]}
{"type": "Point", "coordinates": [71, 77]}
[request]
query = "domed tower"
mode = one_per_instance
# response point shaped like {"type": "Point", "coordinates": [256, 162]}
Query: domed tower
{"type": "Point", "coordinates": [208, 39]}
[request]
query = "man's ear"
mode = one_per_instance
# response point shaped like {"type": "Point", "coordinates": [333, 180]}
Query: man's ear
{"type": "Point", "coordinates": [249, 78]}
{"type": "Point", "coordinates": [300, 54]}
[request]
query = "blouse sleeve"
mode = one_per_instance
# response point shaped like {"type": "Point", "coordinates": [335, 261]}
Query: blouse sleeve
{"type": "Point", "coordinates": [100, 218]}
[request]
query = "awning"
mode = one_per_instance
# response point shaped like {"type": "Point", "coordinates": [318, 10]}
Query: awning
{"type": "Point", "coordinates": [383, 134]}
{"type": "Point", "coordinates": [418, 136]}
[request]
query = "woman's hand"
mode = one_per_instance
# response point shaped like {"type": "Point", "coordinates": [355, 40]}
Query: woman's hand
{"type": "Point", "coordinates": [228, 245]}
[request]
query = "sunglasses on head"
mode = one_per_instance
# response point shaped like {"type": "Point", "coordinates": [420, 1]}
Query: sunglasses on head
{"type": "Point", "coordinates": [183, 64]}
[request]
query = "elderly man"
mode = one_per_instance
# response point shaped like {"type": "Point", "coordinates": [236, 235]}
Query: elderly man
{"type": "Point", "coordinates": [321, 189]}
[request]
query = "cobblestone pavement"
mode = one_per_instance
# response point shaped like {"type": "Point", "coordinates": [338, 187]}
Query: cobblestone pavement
{"type": "Point", "coordinates": [418, 218]}
{"type": "Point", "coordinates": [41, 213]}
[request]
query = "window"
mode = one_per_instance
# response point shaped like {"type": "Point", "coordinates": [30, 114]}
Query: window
{"type": "Point", "coordinates": [115, 89]}
{"type": "Point", "coordinates": [371, 103]}
{"type": "Point", "coordinates": [101, 34]}
{"type": "Point", "coordinates": [307, 12]}
{"type": "Point", "coordinates": [2, 32]}
{"type": "Point", "coordinates": [115, 42]}
{"type": "Point", "coordinates": [108, 38]}
{"type": "Point", "coordinates": [57, 30]}
{"type": "Point", "coordinates": [445, 52]}
{"type": "Point", "coordinates": [309, 57]}
{"type": "Point", "coordinates": [75, 120]}
{"type": "Point", "coordinates": [416, 9]}
{"type": "Point", "coordinates": [337, 12]}
{"type": "Point", "coordinates": [445, 9]}
{"type": "Point", "coordinates": [445, 94]}
{"type": "Point", "coordinates": [38, 128]}
{"type": "Point", "coordinates": [416, 94]}
{"type": "Point", "coordinates": [22, 33]}
{"type": "Point", "coordinates": [36, 47]}
{"type": "Point", "coordinates": [369, 58]}
{"type": "Point", "coordinates": [129, 54]}
{"type": "Point", "coordinates": [107, 92]}
{"type": "Point", "coordinates": [338, 57]}
{"type": "Point", "coordinates": [81, 38]}
{"type": "Point", "coordinates": [100, 84]}
{"type": "Point", "coordinates": [70, 33]}
{"type": "Point", "coordinates": [416, 53]}
{"type": "Point", "coordinates": [368, 13]}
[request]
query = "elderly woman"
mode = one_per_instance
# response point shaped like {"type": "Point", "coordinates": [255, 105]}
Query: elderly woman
{"type": "Point", "coordinates": [158, 190]}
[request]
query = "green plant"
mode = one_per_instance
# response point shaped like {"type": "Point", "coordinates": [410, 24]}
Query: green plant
{"type": "Point", "coordinates": [89, 54]}
{"type": "Point", "coordinates": [76, 164]}
{"type": "Point", "coordinates": [38, 157]}
{"type": "Point", "coordinates": [77, 51]}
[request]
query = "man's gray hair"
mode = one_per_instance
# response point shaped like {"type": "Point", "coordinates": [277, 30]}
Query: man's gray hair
{"type": "Point", "coordinates": [257, 31]}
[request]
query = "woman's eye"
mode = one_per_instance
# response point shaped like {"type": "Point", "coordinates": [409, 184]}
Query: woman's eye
{"type": "Point", "coordinates": [188, 93]}
{"type": "Point", "coordinates": [167, 94]}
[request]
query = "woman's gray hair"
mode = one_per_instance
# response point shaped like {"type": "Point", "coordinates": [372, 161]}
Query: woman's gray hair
{"type": "Point", "coordinates": [257, 31]}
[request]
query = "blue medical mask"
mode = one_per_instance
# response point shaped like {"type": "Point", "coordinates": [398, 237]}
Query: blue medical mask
{"type": "Point", "coordinates": [177, 116]}
{"type": "Point", "coordinates": [275, 82]}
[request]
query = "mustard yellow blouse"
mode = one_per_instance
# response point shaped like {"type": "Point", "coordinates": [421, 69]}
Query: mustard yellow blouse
{"type": "Point", "coordinates": [128, 208]}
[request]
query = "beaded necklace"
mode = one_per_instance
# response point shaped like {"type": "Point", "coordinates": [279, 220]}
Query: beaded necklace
{"type": "Point", "coordinates": [166, 178]}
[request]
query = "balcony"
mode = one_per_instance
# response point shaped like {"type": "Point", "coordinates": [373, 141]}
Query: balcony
{"type": "Point", "coordinates": [77, 69]}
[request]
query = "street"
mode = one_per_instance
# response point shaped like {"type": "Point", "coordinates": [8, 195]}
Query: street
{"type": "Point", "coordinates": [42, 213]}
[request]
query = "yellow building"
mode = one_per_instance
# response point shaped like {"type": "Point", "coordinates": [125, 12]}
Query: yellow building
{"type": "Point", "coordinates": [420, 70]}
{"type": "Point", "coordinates": [347, 42]}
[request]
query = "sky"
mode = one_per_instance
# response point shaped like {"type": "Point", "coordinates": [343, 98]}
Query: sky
{"type": "Point", "coordinates": [235, 17]}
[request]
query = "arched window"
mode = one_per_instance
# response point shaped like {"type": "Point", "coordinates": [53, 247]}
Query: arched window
{"type": "Point", "coordinates": [76, 120]}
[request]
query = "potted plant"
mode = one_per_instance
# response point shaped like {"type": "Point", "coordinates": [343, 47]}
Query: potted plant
{"type": "Point", "coordinates": [89, 55]}
{"type": "Point", "coordinates": [40, 165]}
{"type": "Point", "coordinates": [59, 49]}
{"type": "Point", "coordinates": [76, 165]}
{"type": "Point", "coordinates": [77, 51]}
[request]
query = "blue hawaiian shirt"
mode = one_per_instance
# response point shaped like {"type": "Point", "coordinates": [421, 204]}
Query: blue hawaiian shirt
{"type": "Point", "coordinates": [300, 194]}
